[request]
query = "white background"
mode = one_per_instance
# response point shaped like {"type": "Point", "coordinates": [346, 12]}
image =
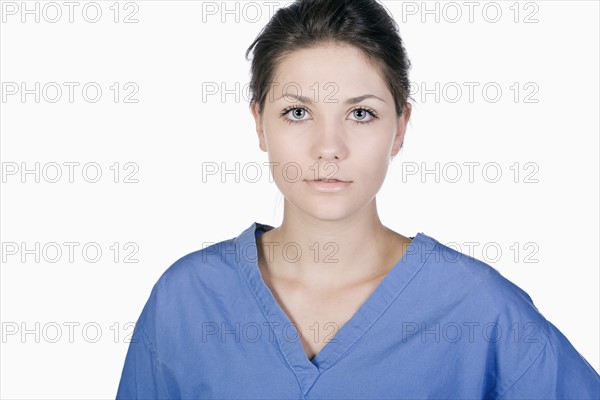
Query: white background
{"type": "Point", "coordinates": [174, 50]}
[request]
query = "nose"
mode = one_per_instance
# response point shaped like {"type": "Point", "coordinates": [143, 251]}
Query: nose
{"type": "Point", "coordinates": [330, 141]}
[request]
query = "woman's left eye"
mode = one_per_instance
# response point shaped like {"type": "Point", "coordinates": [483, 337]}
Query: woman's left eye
{"type": "Point", "coordinates": [362, 114]}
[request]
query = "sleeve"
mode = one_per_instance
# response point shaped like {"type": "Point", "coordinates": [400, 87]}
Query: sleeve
{"type": "Point", "coordinates": [139, 377]}
{"type": "Point", "coordinates": [144, 376]}
{"type": "Point", "coordinates": [557, 372]}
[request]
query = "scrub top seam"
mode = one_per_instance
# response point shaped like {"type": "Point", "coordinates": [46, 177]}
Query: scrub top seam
{"type": "Point", "coordinates": [267, 319]}
{"type": "Point", "coordinates": [531, 361]}
{"type": "Point", "coordinates": [149, 345]}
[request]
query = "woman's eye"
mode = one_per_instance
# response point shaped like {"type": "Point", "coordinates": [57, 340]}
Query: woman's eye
{"type": "Point", "coordinates": [294, 115]}
{"type": "Point", "coordinates": [360, 114]}
{"type": "Point", "coordinates": [298, 113]}
{"type": "Point", "coordinates": [364, 116]}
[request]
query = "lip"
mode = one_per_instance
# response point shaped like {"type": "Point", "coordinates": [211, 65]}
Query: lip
{"type": "Point", "coordinates": [329, 187]}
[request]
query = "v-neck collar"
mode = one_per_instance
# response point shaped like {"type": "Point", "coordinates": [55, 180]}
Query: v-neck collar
{"type": "Point", "coordinates": [307, 371]}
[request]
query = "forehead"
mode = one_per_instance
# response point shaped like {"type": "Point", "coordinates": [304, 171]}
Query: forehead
{"type": "Point", "coordinates": [328, 69]}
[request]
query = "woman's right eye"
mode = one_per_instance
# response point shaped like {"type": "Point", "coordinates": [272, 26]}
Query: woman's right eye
{"type": "Point", "coordinates": [294, 114]}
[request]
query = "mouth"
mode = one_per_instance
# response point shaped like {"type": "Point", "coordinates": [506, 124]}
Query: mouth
{"type": "Point", "coordinates": [329, 185]}
{"type": "Point", "coordinates": [330, 180]}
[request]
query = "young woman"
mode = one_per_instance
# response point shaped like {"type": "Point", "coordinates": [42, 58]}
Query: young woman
{"type": "Point", "coordinates": [332, 304]}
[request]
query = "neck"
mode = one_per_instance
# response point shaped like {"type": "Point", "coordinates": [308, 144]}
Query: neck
{"type": "Point", "coordinates": [329, 253]}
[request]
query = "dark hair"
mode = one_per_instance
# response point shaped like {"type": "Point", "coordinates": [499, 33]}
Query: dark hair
{"type": "Point", "coordinates": [365, 24]}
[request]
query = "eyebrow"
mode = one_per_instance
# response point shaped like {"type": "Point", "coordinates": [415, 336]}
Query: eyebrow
{"type": "Point", "coordinates": [353, 100]}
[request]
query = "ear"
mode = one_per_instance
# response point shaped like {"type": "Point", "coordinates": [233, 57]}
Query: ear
{"type": "Point", "coordinates": [262, 143]}
{"type": "Point", "coordinates": [402, 123]}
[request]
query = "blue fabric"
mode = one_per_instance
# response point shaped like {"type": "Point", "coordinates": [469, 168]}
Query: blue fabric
{"type": "Point", "coordinates": [440, 325]}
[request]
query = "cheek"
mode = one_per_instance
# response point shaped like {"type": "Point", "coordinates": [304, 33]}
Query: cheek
{"type": "Point", "coordinates": [282, 152]}
{"type": "Point", "coordinates": [281, 144]}
{"type": "Point", "coordinates": [373, 171]}
{"type": "Point", "coordinates": [372, 160]}
{"type": "Point", "coordinates": [372, 149]}
{"type": "Point", "coordinates": [284, 163]}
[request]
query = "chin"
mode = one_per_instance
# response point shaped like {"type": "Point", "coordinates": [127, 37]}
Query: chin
{"type": "Point", "coordinates": [328, 210]}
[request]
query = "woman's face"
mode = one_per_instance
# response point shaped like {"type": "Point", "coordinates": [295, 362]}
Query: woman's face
{"type": "Point", "coordinates": [333, 131]}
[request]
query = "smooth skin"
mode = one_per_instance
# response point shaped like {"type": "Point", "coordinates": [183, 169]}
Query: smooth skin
{"type": "Point", "coordinates": [345, 250]}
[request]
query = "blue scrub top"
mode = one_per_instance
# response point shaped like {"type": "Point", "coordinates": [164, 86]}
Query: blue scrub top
{"type": "Point", "coordinates": [440, 325]}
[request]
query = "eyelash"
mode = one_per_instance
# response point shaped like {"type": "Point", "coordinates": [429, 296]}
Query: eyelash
{"type": "Point", "coordinates": [298, 106]}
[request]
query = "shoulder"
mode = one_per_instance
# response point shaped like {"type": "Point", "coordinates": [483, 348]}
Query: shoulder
{"type": "Point", "coordinates": [210, 266]}
{"type": "Point", "coordinates": [477, 280]}
{"type": "Point", "coordinates": [194, 285]}
{"type": "Point", "coordinates": [471, 290]}
{"type": "Point", "coordinates": [513, 331]}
